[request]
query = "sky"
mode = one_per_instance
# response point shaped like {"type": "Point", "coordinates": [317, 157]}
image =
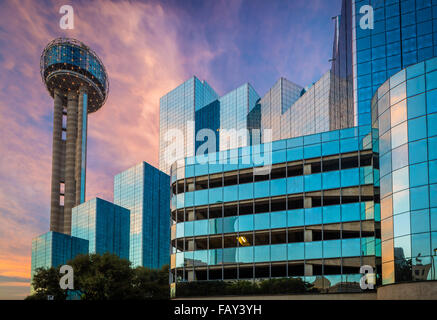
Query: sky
{"type": "Point", "coordinates": [148, 48]}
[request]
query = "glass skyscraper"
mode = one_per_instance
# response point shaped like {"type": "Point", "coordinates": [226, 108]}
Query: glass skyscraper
{"type": "Point", "coordinates": [104, 224]}
{"type": "Point", "coordinates": [177, 111]}
{"type": "Point", "coordinates": [53, 249]}
{"type": "Point", "coordinates": [404, 32]}
{"type": "Point", "coordinates": [144, 190]}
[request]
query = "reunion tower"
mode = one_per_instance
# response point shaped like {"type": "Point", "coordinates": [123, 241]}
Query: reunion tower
{"type": "Point", "coordinates": [76, 79]}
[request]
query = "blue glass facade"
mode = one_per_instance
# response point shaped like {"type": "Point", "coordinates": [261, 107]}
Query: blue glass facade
{"type": "Point", "coordinates": [404, 110]}
{"type": "Point", "coordinates": [144, 190]}
{"type": "Point", "coordinates": [315, 215]}
{"type": "Point", "coordinates": [404, 33]}
{"type": "Point", "coordinates": [104, 224]}
{"type": "Point", "coordinates": [177, 111]}
{"type": "Point", "coordinates": [53, 249]}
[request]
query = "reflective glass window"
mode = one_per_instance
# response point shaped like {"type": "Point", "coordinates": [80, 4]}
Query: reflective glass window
{"type": "Point", "coordinates": [312, 151]}
{"type": "Point", "coordinates": [432, 147]}
{"type": "Point", "coordinates": [385, 164]}
{"type": "Point", "coordinates": [278, 252]}
{"type": "Point", "coordinates": [332, 248]}
{"type": "Point", "coordinates": [399, 135]}
{"type": "Point", "coordinates": [295, 184]}
{"type": "Point", "coordinates": [350, 212]}
{"type": "Point", "coordinates": [431, 80]}
{"type": "Point", "coordinates": [230, 255]}
{"type": "Point", "coordinates": [262, 189]}
{"type": "Point", "coordinates": [313, 250]}
{"type": "Point", "coordinates": [296, 251]}
{"type": "Point", "coordinates": [350, 247]}
{"type": "Point", "coordinates": [398, 113]}
{"type": "Point", "coordinates": [431, 101]}
{"type": "Point", "coordinates": [262, 253]}
{"type": "Point", "coordinates": [433, 195]}
{"type": "Point", "coordinates": [417, 151]}
{"type": "Point", "coordinates": [432, 124]}
{"type": "Point", "coordinates": [349, 177]}
{"type": "Point", "coordinates": [417, 128]}
{"type": "Point", "coordinates": [432, 172]}
{"type": "Point", "coordinates": [420, 245]}
{"type": "Point", "coordinates": [278, 187]}
{"type": "Point", "coordinates": [245, 254]}
{"type": "Point", "coordinates": [402, 247]}
{"type": "Point", "coordinates": [419, 198]}
{"type": "Point", "coordinates": [331, 214]}
{"type": "Point", "coordinates": [415, 86]}
{"type": "Point", "coordinates": [419, 174]}
{"type": "Point", "coordinates": [420, 221]}
{"type": "Point", "coordinates": [262, 221]}
{"type": "Point", "coordinates": [416, 106]}
{"type": "Point", "coordinates": [331, 179]}
{"type": "Point", "coordinates": [313, 216]}
{"type": "Point", "coordinates": [215, 195]}
{"type": "Point", "coordinates": [397, 94]}
{"type": "Point", "coordinates": [278, 219]}
{"type": "Point", "coordinates": [295, 217]}
{"type": "Point", "coordinates": [200, 227]}
{"type": "Point", "coordinates": [230, 224]}
{"type": "Point", "coordinates": [245, 222]}
{"type": "Point", "coordinates": [245, 191]}
{"type": "Point", "coordinates": [400, 179]}
{"type": "Point", "coordinates": [294, 154]}
{"type": "Point", "coordinates": [313, 182]}
{"type": "Point", "coordinates": [385, 142]}
{"type": "Point", "coordinates": [230, 193]}
{"type": "Point", "coordinates": [401, 224]}
{"type": "Point", "coordinates": [331, 147]}
{"type": "Point", "coordinates": [401, 201]}
{"type": "Point", "coordinates": [201, 258]}
{"type": "Point", "coordinates": [201, 197]}
{"type": "Point", "coordinates": [189, 229]}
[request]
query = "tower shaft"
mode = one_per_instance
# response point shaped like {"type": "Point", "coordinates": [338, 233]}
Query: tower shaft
{"type": "Point", "coordinates": [69, 157]}
{"type": "Point", "coordinates": [56, 210]}
{"type": "Point", "coordinates": [81, 144]}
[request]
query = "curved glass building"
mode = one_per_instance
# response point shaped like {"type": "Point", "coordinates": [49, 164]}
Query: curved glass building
{"type": "Point", "coordinates": [404, 110]}
{"type": "Point", "coordinates": [314, 215]}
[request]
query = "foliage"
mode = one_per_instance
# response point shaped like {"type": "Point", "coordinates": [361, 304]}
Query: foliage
{"type": "Point", "coordinates": [243, 287]}
{"type": "Point", "coordinates": [103, 277]}
{"type": "Point", "coordinates": [46, 282]}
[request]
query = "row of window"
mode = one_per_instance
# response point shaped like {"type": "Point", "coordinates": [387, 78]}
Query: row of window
{"type": "Point", "coordinates": [278, 236]}
{"type": "Point", "coordinates": [280, 219]}
{"type": "Point", "coordinates": [280, 252]}
{"type": "Point", "coordinates": [284, 170]}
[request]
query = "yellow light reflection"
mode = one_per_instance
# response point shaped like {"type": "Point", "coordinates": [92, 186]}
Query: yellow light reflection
{"type": "Point", "coordinates": [243, 241]}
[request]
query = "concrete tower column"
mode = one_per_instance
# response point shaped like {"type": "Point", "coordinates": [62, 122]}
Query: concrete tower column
{"type": "Point", "coordinates": [82, 123]}
{"type": "Point", "coordinates": [55, 212]}
{"type": "Point", "coordinates": [70, 158]}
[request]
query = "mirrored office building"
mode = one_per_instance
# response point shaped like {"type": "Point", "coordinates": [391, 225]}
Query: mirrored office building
{"type": "Point", "coordinates": [312, 213]}
{"type": "Point", "coordinates": [104, 224]}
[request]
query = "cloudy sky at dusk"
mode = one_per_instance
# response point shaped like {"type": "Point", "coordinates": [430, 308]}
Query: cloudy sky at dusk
{"type": "Point", "coordinates": [148, 48]}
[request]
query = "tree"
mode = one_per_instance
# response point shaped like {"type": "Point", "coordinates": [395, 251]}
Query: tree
{"type": "Point", "coordinates": [104, 277]}
{"type": "Point", "coordinates": [45, 282]}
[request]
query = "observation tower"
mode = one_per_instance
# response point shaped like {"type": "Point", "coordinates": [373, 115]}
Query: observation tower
{"type": "Point", "coordinates": [77, 81]}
